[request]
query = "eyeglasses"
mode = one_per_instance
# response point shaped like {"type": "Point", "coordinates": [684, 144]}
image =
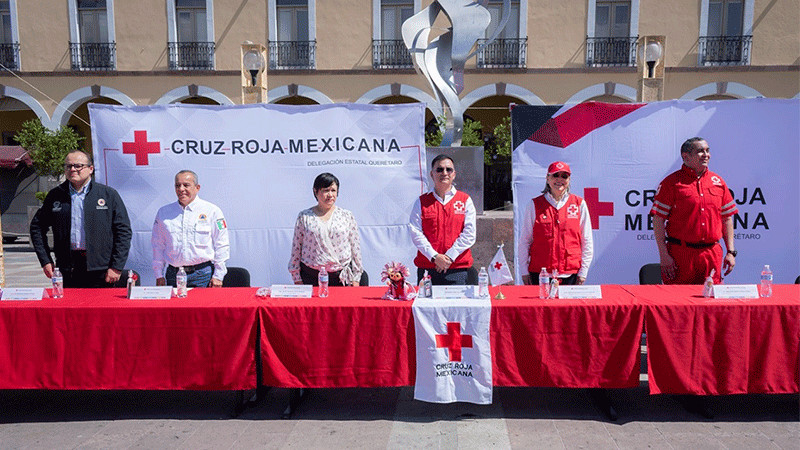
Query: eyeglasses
{"type": "Point", "coordinates": [445, 169]}
{"type": "Point", "coordinates": [77, 167]}
{"type": "Point", "coordinates": [563, 175]}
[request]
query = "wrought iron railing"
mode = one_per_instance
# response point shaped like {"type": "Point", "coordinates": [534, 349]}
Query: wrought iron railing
{"type": "Point", "coordinates": [390, 54]}
{"type": "Point", "coordinates": [191, 55]}
{"type": "Point", "coordinates": [725, 50]}
{"type": "Point", "coordinates": [503, 54]}
{"type": "Point", "coordinates": [292, 55]}
{"type": "Point", "coordinates": [93, 56]}
{"type": "Point", "coordinates": [611, 51]}
{"type": "Point", "coordinates": [9, 55]}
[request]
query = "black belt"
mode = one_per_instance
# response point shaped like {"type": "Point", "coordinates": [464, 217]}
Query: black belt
{"type": "Point", "coordinates": [194, 268]}
{"type": "Point", "coordinates": [691, 244]}
{"type": "Point", "coordinates": [80, 253]}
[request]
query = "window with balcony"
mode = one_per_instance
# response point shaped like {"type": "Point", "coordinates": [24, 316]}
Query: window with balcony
{"type": "Point", "coordinates": [509, 49]}
{"type": "Point", "coordinates": [725, 41]}
{"type": "Point", "coordinates": [292, 47]}
{"type": "Point", "coordinates": [92, 47]}
{"type": "Point", "coordinates": [612, 42]}
{"type": "Point", "coordinates": [192, 47]}
{"type": "Point", "coordinates": [389, 52]}
{"type": "Point", "coordinates": [9, 47]}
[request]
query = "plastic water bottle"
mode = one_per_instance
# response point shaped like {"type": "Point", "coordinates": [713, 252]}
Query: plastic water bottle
{"type": "Point", "coordinates": [180, 280]}
{"type": "Point", "coordinates": [131, 282]}
{"type": "Point", "coordinates": [765, 290]}
{"type": "Point", "coordinates": [553, 284]}
{"type": "Point", "coordinates": [425, 286]}
{"type": "Point", "coordinates": [323, 282]}
{"type": "Point", "coordinates": [544, 283]}
{"type": "Point", "coordinates": [483, 283]}
{"type": "Point", "coordinates": [58, 284]}
{"type": "Point", "coordinates": [708, 285]}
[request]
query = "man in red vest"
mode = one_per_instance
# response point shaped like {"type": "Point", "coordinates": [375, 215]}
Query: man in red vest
{"type": "Point", "coordinates": [443, 227]}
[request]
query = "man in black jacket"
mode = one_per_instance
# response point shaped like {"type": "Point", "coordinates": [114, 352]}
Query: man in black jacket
{"type": "Point", "coordinates": [91, 230]}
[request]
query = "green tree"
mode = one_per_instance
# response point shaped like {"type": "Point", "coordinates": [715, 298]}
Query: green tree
{"type": "Point", "coordinates": [47, 148]}
{"type": "Point", "coordinates": [499, 148]}
{"type": "Point", "coordinates": [471, 137]}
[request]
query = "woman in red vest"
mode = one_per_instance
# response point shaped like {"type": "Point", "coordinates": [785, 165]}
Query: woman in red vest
{"type": "Point", "coordinates": [556, 231]}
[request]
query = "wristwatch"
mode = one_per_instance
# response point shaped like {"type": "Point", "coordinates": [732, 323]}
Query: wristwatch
{"type": "Point", "coordinates": [433, 258]}
{"type": "Point", "coordinates": [733, 252]}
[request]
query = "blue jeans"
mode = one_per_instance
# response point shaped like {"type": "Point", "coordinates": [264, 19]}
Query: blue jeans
{"type": "Point", "coordinates": [198, 278]}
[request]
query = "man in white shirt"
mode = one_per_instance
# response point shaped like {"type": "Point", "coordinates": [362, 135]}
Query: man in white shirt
{"type": "Point", "coordinates": [190, 233]}
{"type": "Point", "coordinates": [443, 227]}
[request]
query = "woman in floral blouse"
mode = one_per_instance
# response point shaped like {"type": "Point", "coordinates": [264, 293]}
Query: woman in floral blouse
{"type": "Point", "coordinates": [326, 236]}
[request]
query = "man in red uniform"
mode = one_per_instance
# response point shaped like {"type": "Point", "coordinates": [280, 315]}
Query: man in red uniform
{"type": "Point", "coordinates": [692, 210]}
{"type": "Point", "coordinates": [443, 227]}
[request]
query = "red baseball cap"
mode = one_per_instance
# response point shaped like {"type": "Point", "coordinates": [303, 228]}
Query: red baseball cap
{"type": "Point", "coordinates": [558, 166]}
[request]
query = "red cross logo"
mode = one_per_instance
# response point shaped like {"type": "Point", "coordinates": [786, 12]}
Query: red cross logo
{"type": "Point", "coordinates": [498, 265]}
{"type": "Point", "coordinates": [140, 147]}
{"type": "Point", "coordinates": [596, 207]}
{"type": "Point", "coordinates": [453, 340]}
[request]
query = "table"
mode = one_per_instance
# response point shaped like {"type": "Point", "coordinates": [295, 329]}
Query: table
{"type": "Point", "coordinates": [354, 338]}
{"type": "Point", "coordinates": [706, 346]}
{"type": "Point", "coordinates": [98, 339]}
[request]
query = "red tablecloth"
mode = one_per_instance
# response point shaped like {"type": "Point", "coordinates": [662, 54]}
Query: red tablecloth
{"type": "Point", "coordinates": [98, 339]}
{"type": "Point", "coordinates": [706, 346]}
{"type": "Point", "coordinates": [353, 338]}
{"type": "Point", "coordinates": [566, 343]}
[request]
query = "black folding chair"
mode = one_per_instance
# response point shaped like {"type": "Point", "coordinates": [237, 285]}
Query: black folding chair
{"type": "Point", "coordinates": [236, 277]}
{"type": "Point", "coordinates": [650, 274]}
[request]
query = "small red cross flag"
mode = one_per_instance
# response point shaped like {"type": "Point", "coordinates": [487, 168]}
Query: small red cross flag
{"type": "Point", "coordinates": [498, 268]}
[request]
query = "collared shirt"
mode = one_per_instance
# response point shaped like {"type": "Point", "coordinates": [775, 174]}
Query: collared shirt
{"type": "Point", "coordinates": [694, 205]}
{"type": "Point", "coordinates": [77, 235]}
{"type": "Point", "coordinates": [192, 235]}
{"type": "Point", "coordinates": [464, 241]}
{"type": "Point", "coordinates": [526, 233]}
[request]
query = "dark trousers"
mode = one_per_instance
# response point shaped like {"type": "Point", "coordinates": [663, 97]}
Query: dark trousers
{"type": "Point", "coordinates": [79, 277]}
{"type": "Point", "coordinates": [311, 276]}
{"type": "Point", "coordinates": [446, 278]}
{"type": "Point", "coordinates": [570, 280]}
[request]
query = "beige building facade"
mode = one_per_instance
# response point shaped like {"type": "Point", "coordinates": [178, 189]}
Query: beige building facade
{"type": "Point", "coordinates": [59, 55]}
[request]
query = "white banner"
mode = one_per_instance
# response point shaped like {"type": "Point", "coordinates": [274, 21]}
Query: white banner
{"type": "Point", "coordinates": [258, 164]}
{"type": "Point", "coordinates": [620, 153]}
{"type": "Point", "coordinates": [454, 354]}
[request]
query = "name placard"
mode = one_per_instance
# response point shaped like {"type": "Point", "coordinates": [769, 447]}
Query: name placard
{"type": "Point", "coordinates": [735, 291]}
{"type": "Point", "coordinates": [22, 294]}
{"type": "Point", "coordinates": [456, 291]}
{"type": "Point", "coordinates": [580, 291]}
{"type": "Point", "coordinates": [291, 290]}
{"type": "Point", "coordinates": [151, 292]}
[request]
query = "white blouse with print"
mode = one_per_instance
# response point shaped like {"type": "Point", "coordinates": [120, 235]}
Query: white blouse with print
{"type": "Point", "coordinates": [334, 244]}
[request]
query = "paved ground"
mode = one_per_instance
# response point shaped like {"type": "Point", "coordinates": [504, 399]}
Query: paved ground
{"type": "Point", "coordinates": [379, 418]}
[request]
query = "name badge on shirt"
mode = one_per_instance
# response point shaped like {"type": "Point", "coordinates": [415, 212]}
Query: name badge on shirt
{"type": "Point", "coordinates": [101, 203]}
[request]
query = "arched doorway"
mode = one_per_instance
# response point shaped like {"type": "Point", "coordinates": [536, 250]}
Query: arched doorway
{"type": "Point", "coordinates": [79, 120]}
{"type": "Point", "coordinates": [493, 114]}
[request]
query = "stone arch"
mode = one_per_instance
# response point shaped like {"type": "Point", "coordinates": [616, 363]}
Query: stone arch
{"type": "Point", "coordinates": [600, 89]}
{"type": "Point", "coordinates": [298, 90]}
{"type": "Point", "coordinates": [394, 89]}
{"type": "Point", "coordinates": [28, 100]}
{"type": "Point", "coordinates": [730, 88]}
{"type": "Point", "coordinates": [501, 89]}
{"type": "Point", "coordinates": [181, 93]}
{"type": "Point", "coordinates": [79, 96]}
